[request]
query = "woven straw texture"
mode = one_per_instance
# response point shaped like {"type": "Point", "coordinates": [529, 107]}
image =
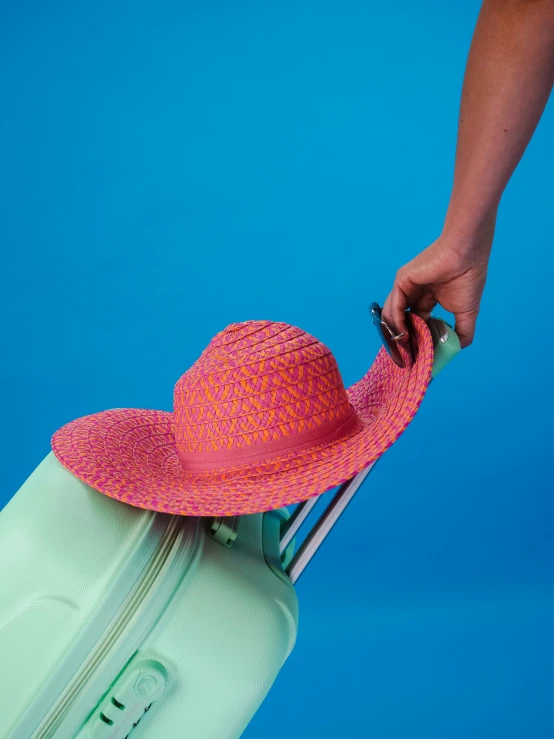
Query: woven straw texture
{"type": "Point", "coordinates": [261, 420]}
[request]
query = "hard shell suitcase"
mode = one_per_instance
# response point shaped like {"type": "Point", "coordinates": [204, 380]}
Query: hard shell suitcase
{"type": "Point", "coordinates": [115, 619]}
{"type": "Point", "coordinates": [193, 617]}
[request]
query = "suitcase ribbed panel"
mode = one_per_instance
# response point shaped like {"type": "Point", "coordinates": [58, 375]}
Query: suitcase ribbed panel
{"type": "Point", "coordinates": [68, 558]}
{"type": "Point", "coordinates": [223, 639]}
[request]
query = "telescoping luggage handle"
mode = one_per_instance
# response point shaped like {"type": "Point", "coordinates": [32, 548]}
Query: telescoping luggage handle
{"type": "Point", "coordinates": [446, 346]}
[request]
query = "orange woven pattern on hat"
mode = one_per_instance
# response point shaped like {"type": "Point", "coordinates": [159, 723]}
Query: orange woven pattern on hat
{"type": "Point", "coordinates": [257, 382]}
{"type": "Point", "coordinates": [131, 454]}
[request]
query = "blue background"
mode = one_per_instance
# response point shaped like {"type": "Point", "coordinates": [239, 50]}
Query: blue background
{"type": "Point", "coordinates": [168, 168]}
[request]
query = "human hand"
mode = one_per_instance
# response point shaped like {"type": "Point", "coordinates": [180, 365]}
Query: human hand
{"type": "Point", "coordinates": [451, 272]}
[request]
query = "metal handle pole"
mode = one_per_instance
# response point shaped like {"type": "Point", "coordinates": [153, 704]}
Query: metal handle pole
{"type": "Point", "coordinates": [327, 520]}
{"type": "Point", "coordinates": [299, 515]}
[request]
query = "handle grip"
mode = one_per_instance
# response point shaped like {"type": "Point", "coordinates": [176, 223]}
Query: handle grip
{"type": "Point", "coordinates": [445, 343]}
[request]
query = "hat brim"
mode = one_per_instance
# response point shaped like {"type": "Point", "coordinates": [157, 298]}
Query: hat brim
{"type": "Point", "coordinates": [130, 454]}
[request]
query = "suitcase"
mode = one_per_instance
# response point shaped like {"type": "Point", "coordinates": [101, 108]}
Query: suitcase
{"type": "Point", "coordinates": [115, 619]}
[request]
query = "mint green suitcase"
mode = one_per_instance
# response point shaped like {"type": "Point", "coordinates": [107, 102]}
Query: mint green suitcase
{"type": "Point", "coordinates": [115, 619]}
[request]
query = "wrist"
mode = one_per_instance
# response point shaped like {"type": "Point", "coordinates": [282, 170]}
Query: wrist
{"type": "Point", "coordinates": [471, 237]}
{"type": "Point", "coordinates": [469, 224]}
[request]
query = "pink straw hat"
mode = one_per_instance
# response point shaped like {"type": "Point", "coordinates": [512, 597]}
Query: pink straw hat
{"type": "Point", "coordinates": [261, 420]}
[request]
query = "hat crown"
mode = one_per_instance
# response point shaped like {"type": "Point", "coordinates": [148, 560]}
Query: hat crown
{"type": "Point", "coordinates": [257, 382]}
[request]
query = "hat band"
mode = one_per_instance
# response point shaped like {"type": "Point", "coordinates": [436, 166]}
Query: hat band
{"type": "Point", "coordinates": [266, 451]}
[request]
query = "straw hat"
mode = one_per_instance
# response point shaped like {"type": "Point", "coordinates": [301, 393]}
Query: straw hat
{"type": "Point", "coordinates": [260, 420]}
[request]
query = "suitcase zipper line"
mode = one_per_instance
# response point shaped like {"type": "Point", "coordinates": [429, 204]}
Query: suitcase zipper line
{"type": "Point", "coordinates": [119, 624]}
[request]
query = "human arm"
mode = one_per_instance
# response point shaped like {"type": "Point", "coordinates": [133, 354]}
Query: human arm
{"type": "Point", "coordinates": [508, 79]}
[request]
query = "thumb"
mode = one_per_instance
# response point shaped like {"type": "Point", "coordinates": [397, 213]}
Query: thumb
{"type": "Point", "coordinates": [465, 327]}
